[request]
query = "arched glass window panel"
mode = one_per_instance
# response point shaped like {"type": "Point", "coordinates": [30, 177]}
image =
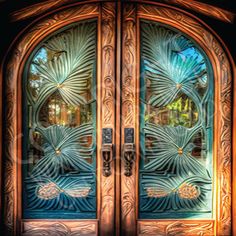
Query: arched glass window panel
{"type": "Point", "coordinates": [176, 126]}
{"type": "Point", "coordinates": [59, 169]}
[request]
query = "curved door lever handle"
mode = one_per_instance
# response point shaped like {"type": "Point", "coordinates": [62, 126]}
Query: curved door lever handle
{"type": "Point", "coordinates": [128, 157]}
{"type": "Point", "coordinates": [107, 157]}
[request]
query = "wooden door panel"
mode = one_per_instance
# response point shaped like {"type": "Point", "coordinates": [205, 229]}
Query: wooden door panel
{"type": "Point", "coordinates": [14, 222]}
{"type": "Point", "coordinates": [176, 125]}
{"type": "Point", "coordinates": [219, 222]}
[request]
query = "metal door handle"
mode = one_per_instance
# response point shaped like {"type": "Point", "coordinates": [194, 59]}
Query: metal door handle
{"type": "Point", "coordinates": [107, 157]}
{"type": "Point", "coordinates": [128, 157]}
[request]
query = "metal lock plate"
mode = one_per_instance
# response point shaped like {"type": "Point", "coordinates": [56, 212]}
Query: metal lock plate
{"type": "Point", "coordinates": [129, 135]}
{"type": "Point", "coordinates": [106, 135]}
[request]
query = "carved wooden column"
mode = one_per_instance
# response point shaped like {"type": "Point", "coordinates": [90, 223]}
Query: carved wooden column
{"type": "Point", "coordinates": [128, 119]}
{"type": "Point", "coordinates": [107, 209]}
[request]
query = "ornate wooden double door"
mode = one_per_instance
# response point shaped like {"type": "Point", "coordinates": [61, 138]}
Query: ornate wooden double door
{"type": "Point", "coordinates": [117, 104]}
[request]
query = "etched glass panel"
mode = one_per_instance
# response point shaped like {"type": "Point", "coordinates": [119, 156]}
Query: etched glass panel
{"type": "Point", "coordinates": [175, 126]}
{"type": "Point", "coordinates": [59, 126]}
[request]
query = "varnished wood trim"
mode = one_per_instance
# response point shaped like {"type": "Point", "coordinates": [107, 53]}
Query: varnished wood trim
{"type": "Point", "coordinates": [128, 118]}
{"type": "Point", "coordinates": [42, 7]}
{"type": "Point", "coordinates": [200, 7]}
{"type": "Point", "coordinates": [99, 114]}
{"type": "Point", "coordinates": [206, 9]}
{"type": "Point", "coordinates": [234, 157]}
{"type": "Point", "coordinates": [108, 18]}
{"type": "Point", "coordinates": [137, 102]}
{"type": "Point", "coordinates": [118, 119]}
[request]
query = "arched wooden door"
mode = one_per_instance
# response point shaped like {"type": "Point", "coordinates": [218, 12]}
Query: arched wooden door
{"type": "Point", "coordinates": [122, 116]}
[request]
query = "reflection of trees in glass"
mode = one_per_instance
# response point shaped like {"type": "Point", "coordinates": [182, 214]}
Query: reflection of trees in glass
{"type": "Point", "coordinates": [56, 111]}
{"type": "Point", "coordinates": [182, 111]}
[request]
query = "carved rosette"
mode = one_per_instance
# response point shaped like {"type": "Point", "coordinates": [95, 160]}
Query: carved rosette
{"type": "Point", "coordinates": [222, 76]}
{"type": "Point", "coordinates": [13, 132]}
{"type": "Point", "coordinates": [128, 186]}
{"type": "Point", "coordinates": [108, 112]}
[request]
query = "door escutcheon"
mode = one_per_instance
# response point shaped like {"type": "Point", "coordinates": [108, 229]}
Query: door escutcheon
{"type": "Point", "coordinates": [129, 151]}
{"type": "Point", "coordinates": [107, 151]}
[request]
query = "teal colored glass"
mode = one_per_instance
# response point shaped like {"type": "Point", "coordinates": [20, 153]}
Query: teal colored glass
{"type": "Point", "coordinates": [176, 126]}
{"type": "Point", "coordinates": [59, 92]}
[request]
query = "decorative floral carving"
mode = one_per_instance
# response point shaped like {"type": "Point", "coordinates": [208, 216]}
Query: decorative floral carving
{"type": "Point", "coordinates": [128, 195]}
{"type": "Point", "coordinates": [129, 63]}
{"type": "Point", "coordinates": [174, 194]}
{"type": "Point", "coordinates": [108, 112]}
{"type": "Point", "coordinates": [128, 198]}
{"type": "Point", "coordinates": [59, 228]}
{"type": "Point", "coordinates": [108, 65]}
{"type": "Point", "coordinates": [176, 228]}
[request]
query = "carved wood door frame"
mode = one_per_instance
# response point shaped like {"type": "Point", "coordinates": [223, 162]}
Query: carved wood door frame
{"type": "Point", "coordinates": [118, 66]}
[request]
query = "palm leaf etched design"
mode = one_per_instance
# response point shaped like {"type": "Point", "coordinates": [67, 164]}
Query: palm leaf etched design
{"type": "Point", "coordinates": [64, 148]}
{"type": "Point", "coordinates": [172, 178]}
{"type": "Point", "coordinates": [63, 192]}
{"type": "Point", "coordinates": [71, 67]}
{"type": "Point", "coordinates": [65, 68]}
{"type": "Point", "coordinates": [175, 193]}
{"type": "Point", "coordinates": [167, 69]}
{"type": "Point", "coordinates": [171, 150]}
